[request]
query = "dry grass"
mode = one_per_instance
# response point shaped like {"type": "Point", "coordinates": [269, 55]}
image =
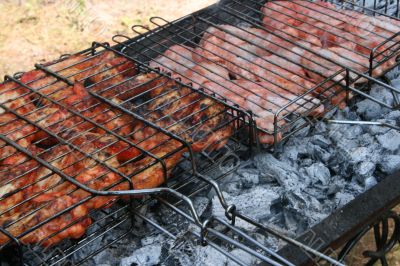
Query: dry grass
{"type": "Point", "coordinates": [41, 30]}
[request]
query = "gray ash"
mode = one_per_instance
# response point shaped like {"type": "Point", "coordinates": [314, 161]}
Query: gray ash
{"type": "Point", "coordinates": [321, 168]}
{"type": "Point", "coordinates": [316, 171]}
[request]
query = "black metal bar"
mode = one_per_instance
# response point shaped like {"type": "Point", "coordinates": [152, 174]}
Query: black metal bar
{"type": "Point", "coordinates": [84, 118]}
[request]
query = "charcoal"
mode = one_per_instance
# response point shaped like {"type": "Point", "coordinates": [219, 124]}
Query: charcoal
{"type": "Point", "coordinates": [336, 136]}
{"type": "Point", "coordinates": [245, 257]}
{"type": "Point", "coordinates": [108, 257]}
{"type": "Point", "coordinates": [285, 175]}
{"type": "Point", "coordinates": [302, 201]}
{"type": "Point", "coordinates": [346, 144]}
{"type": "Point", "coordinates": [389, 164]}
{"type": "Point", "coordinates": [291, 152]}
{"type": "Point", "coordinates": [318, 172]}
{"type": "Point", "coordinates": [299, 146]}
{"type": "Point", "coordinates": [181, 253]}
{"type": "Point", "coordinates": [320, 154]}
{"type": "Point", "coordinates": [353, 132]}
{"type": "Point", "coordinates": [382, 94]}
{"type": "Point", "coordinates": [231, 185]}
{"type": "Point", "coordinates": [342, 198]}
{"type": "Point", "coordinates": [255, 203]}
{"type": "Point", "coordinates": [303, 132]}
{"type": "Point", "coordinates": [147, 255]}
{"type": "Point", "coordinates": [335, 187]}
{"type": "Point", "coordinates": [306, 162]}
{"type": "Point", "coordinates": [266, 178]}
{"type": "Point", "coordinates": [201, 204]}
{"type": "Point", "coordinates": [364, 169]}
{"type": "Point", "coordinates": [392, 75]}
{"type": "Point", "coordinates": [390, 140]}
{"type": "Point", "coordinates": [320, 127]}
{"type": "Point", "coordinates": [352, 116]}
{"type": "Point", "coordinates": [295, 221]}
{"type": "Point", "coordinates": [378, 130]}
{"type": "Point", "coordinates": [340, 164]}
{"type": "Point", "coordinates": [366, 140]}
{"type": "Point", "coordinates": [321, 141]}
{"type": "Point", "coordinates": [369, 109]}
{"type": "Point", "coordinates": [342, 113]}
{"type": "Point", "coordinates": [249, 180]}
{"type": "Point", "coordinates": [369, 182]}
{"type": "Point", "coordinates": [336, 132]}
{"type": "Point", "coordinates": [394, 115]}
{"type": "Point", "coordinates": [359, 154]}
{"type": "Point", "coordinates": [248, 170]}
{"type": "Point", "coordinates": [208, 256]}
{"type": "Point", "coordinates": [331, 113]}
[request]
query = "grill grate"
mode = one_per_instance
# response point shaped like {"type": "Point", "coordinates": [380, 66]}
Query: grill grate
{"type": "Point", "coordinates": [283, 114]}
{"type": "Point", "coordinates": [84, 131]}
{"type": "Point", "coordinates": [69, 183]}
{"type": "Point", "coordinates": [278, 78]}
{"type": "Point", "coordinates": [78, 146]}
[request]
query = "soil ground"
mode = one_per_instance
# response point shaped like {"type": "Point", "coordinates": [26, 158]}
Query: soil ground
{"type": "Point", "coordinates": [35, 31]}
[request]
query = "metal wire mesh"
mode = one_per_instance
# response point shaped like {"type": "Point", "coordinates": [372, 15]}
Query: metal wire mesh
{"type": "Point", "coordinates": [273, 72]}
{"type": "Point", "coordinates": [80, 133]}
{"type": "Point", "coordinates": [66, 169]}
{"type": "Point", "coordinates": [67, 150]}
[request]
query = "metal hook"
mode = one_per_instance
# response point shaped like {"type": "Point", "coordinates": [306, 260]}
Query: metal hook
{"type": "Point", "coordinates": [230, 213]}
{"type": "Point", "coordinates": [204, 232]}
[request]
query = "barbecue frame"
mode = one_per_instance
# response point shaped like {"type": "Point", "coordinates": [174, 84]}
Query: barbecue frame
{"type": "Point", "coordinates": [391, 199]}
{"type": "Point", "coordinates": [369, 212]}
{"type": "Point", "coordinates": [206, 227]}
{"type": "Point", "coordinates": [188, 31]}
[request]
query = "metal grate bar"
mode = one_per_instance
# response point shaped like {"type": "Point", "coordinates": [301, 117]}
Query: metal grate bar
{"type": "Point", "coordinates": [188, 40]}
{"type": "Point", "coordinates": [373, 57]}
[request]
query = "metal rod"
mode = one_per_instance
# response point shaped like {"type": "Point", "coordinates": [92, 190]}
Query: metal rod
{"type": "Point", "coordinates": [369, 123]}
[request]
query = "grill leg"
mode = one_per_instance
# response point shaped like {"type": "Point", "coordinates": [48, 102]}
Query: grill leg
{"type": "Point", "coordinates": [385, 239]}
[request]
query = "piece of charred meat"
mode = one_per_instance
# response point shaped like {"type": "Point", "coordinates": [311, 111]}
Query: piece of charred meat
{"type": "Point", "coordinates": [198, 119]}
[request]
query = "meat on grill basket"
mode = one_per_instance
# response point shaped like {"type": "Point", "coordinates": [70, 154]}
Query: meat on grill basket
{"type": "Point", "coordinates": [302, 43]}
{"type": "Point", "coordinates": [58, 116]}
{"type": "Point", "coordinates": [91, 141]}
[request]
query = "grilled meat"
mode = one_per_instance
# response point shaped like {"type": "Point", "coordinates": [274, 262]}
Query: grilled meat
{"type": "Point", "coordinates": [16, 186]}
{"type": "Point", "coordinates": [15, 130]}
{"type": "Point", "coordinates": [201, 121]}
{"type": "Point", "coordinates": [50, 209]}
{"type": "Point", "coordinates": [15, 97]}
{"type": "Point", "coordinates": [129, 88]}
{"type": "Point", "coordinates": [343, 36]}
{"type": "Point", "coordinates": [149, 172]}
{"type": "Point", "coordinates": [27, 191]}
{"type": "Point", "coordinates": [32, 194]}
{"type": "Point", "coordinates": [177, 59]}
{"type": "Point", "coordinates": [265, 99]}
{"type": "Point", "coordinates": [219, 43]}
